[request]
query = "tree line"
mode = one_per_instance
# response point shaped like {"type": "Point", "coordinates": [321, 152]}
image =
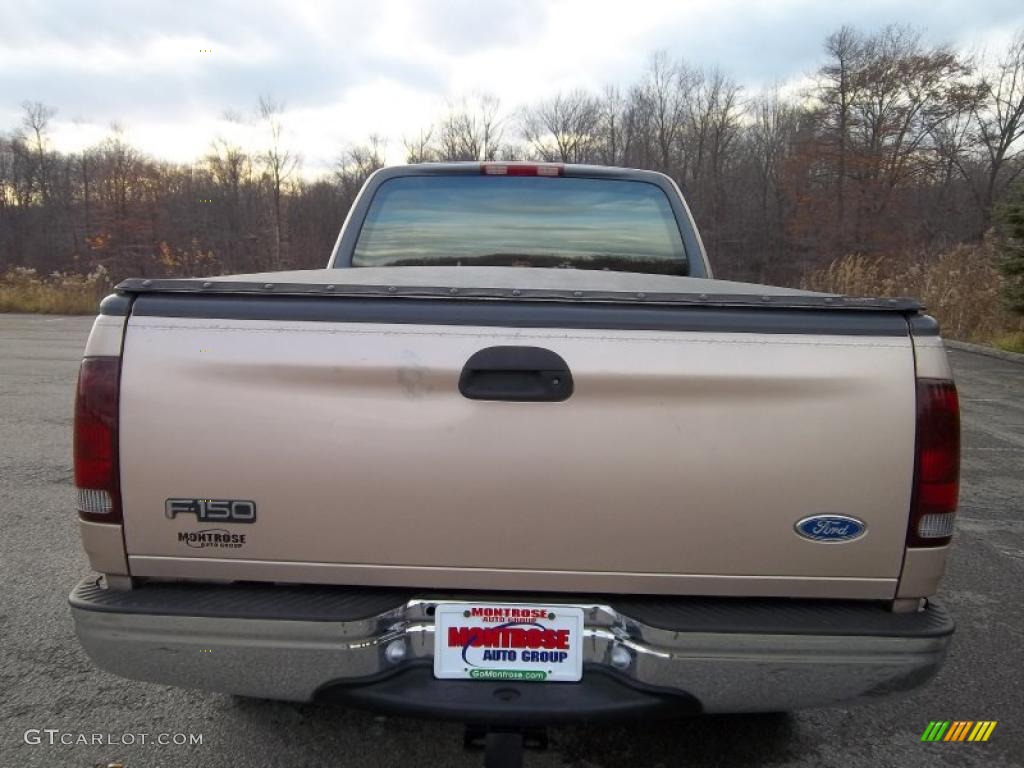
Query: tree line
{"type": "Point", "coordinates": [891, 146]}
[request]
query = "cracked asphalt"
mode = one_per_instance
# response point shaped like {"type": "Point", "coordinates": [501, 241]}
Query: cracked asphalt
{"type": "Point", "coordinates": [48, 683]}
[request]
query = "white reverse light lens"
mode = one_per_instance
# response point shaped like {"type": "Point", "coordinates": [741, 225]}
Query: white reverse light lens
{"type": "Point", "coordinates": [935, 526]}
{"type": "Point", "coordinates": [94, 502]}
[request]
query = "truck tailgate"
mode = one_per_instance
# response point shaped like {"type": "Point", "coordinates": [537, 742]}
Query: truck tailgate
{"type": "Point", "coordinates": [680, 464]}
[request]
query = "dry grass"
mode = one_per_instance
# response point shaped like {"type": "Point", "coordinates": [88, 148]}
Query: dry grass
{"type": "Point", "coordinates": [60, 293]}
{"type": "Point", "coordinates": [1011, 342]}
{"type": "Point", "coordinates": [960, 287]}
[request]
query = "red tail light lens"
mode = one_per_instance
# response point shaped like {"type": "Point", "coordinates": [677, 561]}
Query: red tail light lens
{"type": "Point", "coordinates": [937, 465]}
{"type": "Point", "coordinates": [96, 465]}
{"type": "Point", "coordinates": [521, 169]}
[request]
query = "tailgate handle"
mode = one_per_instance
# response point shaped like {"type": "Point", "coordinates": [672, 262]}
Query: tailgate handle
{"type": "Point", "coordinates": [516, 373]}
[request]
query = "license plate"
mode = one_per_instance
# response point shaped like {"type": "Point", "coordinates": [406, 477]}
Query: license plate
{"type": "Point", "coordinates": [502, 641]}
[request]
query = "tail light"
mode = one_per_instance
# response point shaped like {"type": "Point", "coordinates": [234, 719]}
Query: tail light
{"type": "Point", "coordinates": [96, 465]}
{"type": "Point", "coordinates": [521, 169]}
{"type": "Point", "coordinates": [937, 464]}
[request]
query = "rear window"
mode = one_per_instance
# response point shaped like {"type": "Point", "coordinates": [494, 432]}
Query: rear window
{"type": "Point", "coordinates": [526, 221]}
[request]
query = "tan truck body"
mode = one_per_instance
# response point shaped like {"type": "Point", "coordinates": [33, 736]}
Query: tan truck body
{"type": "Point", "coordinates": [705, 424]}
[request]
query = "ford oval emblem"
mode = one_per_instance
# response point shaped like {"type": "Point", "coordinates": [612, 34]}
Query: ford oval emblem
{"type": "Point", "coordinates": [831, 528]}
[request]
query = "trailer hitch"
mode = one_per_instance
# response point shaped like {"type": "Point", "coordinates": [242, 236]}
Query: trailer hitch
{"type": "Point", "coordinates": [503, 747]}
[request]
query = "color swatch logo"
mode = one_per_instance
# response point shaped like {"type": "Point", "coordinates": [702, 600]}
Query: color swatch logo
{"type": "Point", "coordinates": [958, 730]}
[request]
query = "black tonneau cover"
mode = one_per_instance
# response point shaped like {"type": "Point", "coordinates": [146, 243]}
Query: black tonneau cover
{"type": "Point", "coordinates": [518, 297]}
{"type": "Point", "coordinates": [510, 284]}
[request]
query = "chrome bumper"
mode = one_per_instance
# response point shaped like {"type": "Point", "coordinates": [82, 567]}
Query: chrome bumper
{"type": "Point", "coordinates": [726, 671]}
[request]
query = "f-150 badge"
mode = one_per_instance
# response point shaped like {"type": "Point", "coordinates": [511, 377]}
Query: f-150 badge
{"type": "Point", "coordinates": [212, 510]}
{"type": "Point", "coordinates": [830, 528]}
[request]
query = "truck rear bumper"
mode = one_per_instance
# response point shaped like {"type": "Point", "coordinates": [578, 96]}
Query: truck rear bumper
{"type": "Point", "coordinates": [374, 648]}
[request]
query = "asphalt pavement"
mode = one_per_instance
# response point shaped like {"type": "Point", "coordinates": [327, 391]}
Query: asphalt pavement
{"type": "Point", "coordinates": [48, 684]}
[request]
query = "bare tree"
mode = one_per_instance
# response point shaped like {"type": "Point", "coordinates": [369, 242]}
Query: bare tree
{"type": "Point", "coordinates": [713, 126]}
{"type": "Point", "coordinates": [772, 128]}
{"type": "Point", "coordinates": [669, 90]}
{"type": "Point", "coordinates": [999, 115]}
{"type": "Point", "coordinates": [883, 98]}
{"type": "Point", "coordinates": [36, 121]}
{"type": "Point", "coordinates": [908, 91]}
{"type": "Point", "coordinates": [611, 142]}
{"type": "Point", "coordinates": [230, 168]}
{"type": "Point", "coordinates": [420, 148]}
{"type": "Point", "coordinates": [356, 164]}
{"type": "Point", "coordinates": [839, 90]}
{"type": "Point", "coordinates": [471, 130]}
{"type": "Point", "coordinates": [279, 163]}
{"type": "Point", "coordinates": [565, 128]}
{"type": "Point", "coordinates": [638, 143]}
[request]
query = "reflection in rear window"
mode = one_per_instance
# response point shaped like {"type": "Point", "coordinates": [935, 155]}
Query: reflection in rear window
{"type": "Point", "coordinates": [521, 221]}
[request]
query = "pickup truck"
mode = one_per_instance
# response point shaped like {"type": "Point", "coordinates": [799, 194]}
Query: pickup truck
{"type": "Point", "coordinates": [515, 458]}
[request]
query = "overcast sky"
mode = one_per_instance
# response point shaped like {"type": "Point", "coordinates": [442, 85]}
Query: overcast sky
{"type": "Point", "coordinates": [348, 69]}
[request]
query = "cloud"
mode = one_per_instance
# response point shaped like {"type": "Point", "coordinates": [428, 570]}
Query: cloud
{"type": "Point", "coordinates": [348, 69]}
